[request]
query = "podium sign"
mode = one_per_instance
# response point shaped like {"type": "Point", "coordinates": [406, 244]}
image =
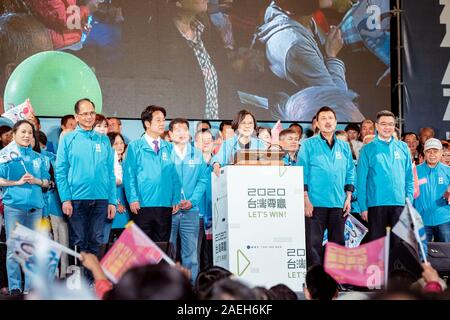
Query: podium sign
{"type": "Point", "coordinates": [259, 224]}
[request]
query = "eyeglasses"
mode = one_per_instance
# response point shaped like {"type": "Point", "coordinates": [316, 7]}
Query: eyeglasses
{"type": "Point", "coordinates": [85, 114]}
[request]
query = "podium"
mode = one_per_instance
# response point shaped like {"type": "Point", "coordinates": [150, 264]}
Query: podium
{"type": "Point", "coordinates": [259, 224]}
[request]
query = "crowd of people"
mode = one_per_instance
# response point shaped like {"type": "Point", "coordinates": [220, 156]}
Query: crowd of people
{"type": "Point", "coordinates": [97, 181]}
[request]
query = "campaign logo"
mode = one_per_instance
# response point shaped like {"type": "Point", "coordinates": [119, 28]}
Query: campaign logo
{"type": "Point", "coordinates": [338, 155]}
{"type": "Point", "coordinates": [36, 163]}
{"type": "Point", "coordinates": [164, 156]}
{"type": "Point", "coordinates": [396, 155]}
{"type": "Point", "coordinates": [441, 180]}
{"type": "Point", "coordinates": [98, 148]}
{"type": "Point", "coordinates": [191, 163]}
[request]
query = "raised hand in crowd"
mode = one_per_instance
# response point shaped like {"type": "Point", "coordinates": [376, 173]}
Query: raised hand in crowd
{"type": "Point", "coordinates": [90, 261]}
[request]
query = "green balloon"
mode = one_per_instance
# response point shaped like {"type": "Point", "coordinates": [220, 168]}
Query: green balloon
{"type": "Point", "coordinates": [53, 81]}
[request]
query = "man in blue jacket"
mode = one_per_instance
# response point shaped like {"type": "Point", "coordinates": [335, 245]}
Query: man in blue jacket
{"type": "Point", "coordinates": [289, 140]}
{"type": "Point", "coordinates": [385, 178]}
{"type": "Point", "coordinates": [151, 182]}
{"type": "Point", "coordinates": [192, 171]}
{"type": "Point", "coordinates": [433, 202]}
{"type": "Point", "coordinates": [329, 178]}
{"type": "Point", "coordinates": [84, 174]}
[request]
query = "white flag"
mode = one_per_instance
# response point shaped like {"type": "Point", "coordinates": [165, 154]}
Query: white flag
{"type": "Point", "coordinates": [10, 153]}
{"type": "Point", "coordinates": [410, 228]}
{"type": "Point", "coordinates": [21, 112]}
{"type": "Point", "coordinates": [354, 232]}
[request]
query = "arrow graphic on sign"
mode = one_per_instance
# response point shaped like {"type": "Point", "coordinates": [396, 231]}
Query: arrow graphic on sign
{"type": "Point", "coordinates": [242, 259]}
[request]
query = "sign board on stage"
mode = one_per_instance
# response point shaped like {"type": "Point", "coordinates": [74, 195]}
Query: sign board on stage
{"type": "Point", "coordinates": [259, 224]}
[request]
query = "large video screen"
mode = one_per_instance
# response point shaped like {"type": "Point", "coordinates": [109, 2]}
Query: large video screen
{"type": "Point", "coordinates": [203, 59]}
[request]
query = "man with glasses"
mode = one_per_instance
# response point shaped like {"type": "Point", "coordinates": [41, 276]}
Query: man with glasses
{"type": "Point", "coordinates": [384, 177]}
{"type": "Point", "coordinates": [85, 179]}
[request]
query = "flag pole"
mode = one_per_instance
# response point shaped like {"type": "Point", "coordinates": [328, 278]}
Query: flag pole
{"type": "Point", "coordinates": [415, 231]}
{"type": "Point", "coordinates": [386, 256]}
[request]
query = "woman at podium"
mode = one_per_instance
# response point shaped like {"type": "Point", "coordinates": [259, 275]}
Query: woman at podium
{"type": "Point", "coordinates": [244, 125]}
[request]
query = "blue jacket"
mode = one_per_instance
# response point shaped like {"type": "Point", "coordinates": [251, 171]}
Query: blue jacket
{"type": "Point", "coordinates": [288, 161]}
{"type": "Point", "coordinates": [205, 205]}
{"type": "Point", "coordinates": [27, 196]}
{"type": "Point", "coordinates": [384, 174]}
{"type": "Point", "coordinates": [229, 148]}
{"type": "Point", "coordinates": [49, 158]}
{"type": "Point", "coordinates": [192, 172]}
{"type": "Point", "coordinates": [327, 173]}
{"type": "Point", "coordinates": [85, 167]}
{"type": "Point", "coordinates": [433, 182]}
{"type": "Point", "coordinates": [150, 178]}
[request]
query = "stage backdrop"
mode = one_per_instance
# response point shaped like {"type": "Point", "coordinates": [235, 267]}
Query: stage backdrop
{"type": "Point", "coordinates": [254, 53]}
{"type": "Point", "coordinates": [426, 68]}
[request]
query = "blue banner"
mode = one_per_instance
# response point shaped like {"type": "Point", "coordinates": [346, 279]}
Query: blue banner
{"type": "Point", "coordinates": [426, 68]}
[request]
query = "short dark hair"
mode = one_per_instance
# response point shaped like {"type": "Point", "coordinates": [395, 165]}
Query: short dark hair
{"type": "Point", "coordinates": [285, 132]}
{"type": "Point", "coordinates": [66, 118]}
{"type": "Point", "coordinates": [230, 287]}
{"type": "Point", "coordinates": [77, 104]}
{"type": "Point", "coordinates": [201, 131]}
{"type": "Point", "coordinates": [325, 109]}
{"type": "Point", "coordinates": [283, 292]}
{"type": "Point", "coordinates": [320, 284]}
{"type": "Point", "coordinates": [4, 129]}
{"type": "Point", "coordinates": [259, 129]}
{"type": "Point", "coordinates": [224, 123]}
{"type": "Point", "coordinates": [353, 126]}
{"type": "Point", "coordinates": [240, 116]}
{"type": "Point", "coordinates": [296, 124]}
{"type": "Point", "coordinates": [206, 279]}
{"type": "Point", "coordinates": [177, 121]}
{"type": "Point", "coordinates": [206, 122]}
{"type": "Point", "coordinates": [110, 118]}
{"type": "Point", "coordinates": [147, 114]}
{"type": "Point", "coordinates": [409, 134]}
{"type": "Point", "coordinates": [42, 138]}
{"type": "Point", "coordinates": [385, 113]}
{"type": "Point", "coordinates": [152, 282]}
